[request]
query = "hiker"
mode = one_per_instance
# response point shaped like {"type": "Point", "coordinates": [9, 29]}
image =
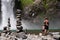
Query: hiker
{"type": "Point", "coordinates": [46, 25]}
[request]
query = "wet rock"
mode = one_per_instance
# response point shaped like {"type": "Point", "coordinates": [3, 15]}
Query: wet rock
{"type": "Point", "coordinates": [21, 35]}
{"type": "Point", "coordinates": [55, 33]}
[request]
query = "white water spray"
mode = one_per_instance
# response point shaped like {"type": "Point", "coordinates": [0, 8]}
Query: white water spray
{"type": "Point", "coordinates": [7, 11]}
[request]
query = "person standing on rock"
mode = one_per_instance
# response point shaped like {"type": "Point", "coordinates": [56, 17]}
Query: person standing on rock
{"type": "Point", "coordinates": [46, 26]}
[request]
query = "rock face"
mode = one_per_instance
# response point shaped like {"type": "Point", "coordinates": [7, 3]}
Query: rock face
{"type": "Point", "coordinates": [0, 11]}
{"type": "Point", "coordinates": [17, 4]}
{"type": "Point", "coordinates": [21, 35]}
{"type": "Point", "coordinates": [0, 5]}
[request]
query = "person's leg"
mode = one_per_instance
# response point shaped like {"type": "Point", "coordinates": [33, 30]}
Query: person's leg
{"type": "Point", "coordinates": [45, 31]}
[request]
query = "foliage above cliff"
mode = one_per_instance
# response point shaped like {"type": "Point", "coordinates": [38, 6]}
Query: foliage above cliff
{"type": "Point", "coordinates": [26, 2]}
{"type": "Point", "coordinates": [43, 8]}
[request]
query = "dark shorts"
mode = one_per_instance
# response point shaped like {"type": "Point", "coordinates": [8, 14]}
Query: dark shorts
{"type": "Point", "coordinates": [43, 30]}
{"type": "Point", "coordinates": [46, 27]}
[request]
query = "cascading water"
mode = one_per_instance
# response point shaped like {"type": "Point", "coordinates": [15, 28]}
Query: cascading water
{"type": "Point", "coordinates": [7, 11]}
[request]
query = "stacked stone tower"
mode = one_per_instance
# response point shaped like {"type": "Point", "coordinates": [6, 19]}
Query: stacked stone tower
{"type": "Point", "coordinates": [6, 29]}
{"type": "Point", "coordinates": [9, 25]}
{"type": "Point", "coordinates": [18, 22]}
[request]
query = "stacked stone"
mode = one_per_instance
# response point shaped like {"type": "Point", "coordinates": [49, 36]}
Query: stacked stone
{"type": "Point", "coordinates": [6, 29]}
{"type": "Point", "coordinates": [9, 25]}
{"type": "Point", "coordinates": [18, 18]}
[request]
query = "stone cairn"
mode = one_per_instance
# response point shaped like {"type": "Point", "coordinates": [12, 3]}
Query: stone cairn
{"type": "Point", "coordinates": [7, 28]}
{"type": "Point", "coordinates": [9, 25]}
{"type": "Point", "coordinates": [18, 18]}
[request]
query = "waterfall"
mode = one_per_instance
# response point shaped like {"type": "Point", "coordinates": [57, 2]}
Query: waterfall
{"type": "Point", "coordinates": [7, 11]}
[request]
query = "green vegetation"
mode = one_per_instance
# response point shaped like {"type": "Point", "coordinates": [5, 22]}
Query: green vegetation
{"type": "Point", "coordinates": [26, 2]}
{"type": "Point", "coordinates": [44, 8]}
{"type": "Point", "coordinates": [49, 8]}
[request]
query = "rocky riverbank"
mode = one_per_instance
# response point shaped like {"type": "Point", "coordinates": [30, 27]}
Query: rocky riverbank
{"type": "Point", "coordinates": [23, 36]}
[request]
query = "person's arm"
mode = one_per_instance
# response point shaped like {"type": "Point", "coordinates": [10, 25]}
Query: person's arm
{"type": "Point", "coordinates": [43, 27]}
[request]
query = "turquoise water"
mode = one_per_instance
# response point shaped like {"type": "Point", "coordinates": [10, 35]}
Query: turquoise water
{"type": "Point", "coordinates": [55, 30]}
